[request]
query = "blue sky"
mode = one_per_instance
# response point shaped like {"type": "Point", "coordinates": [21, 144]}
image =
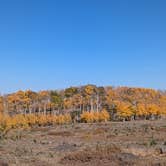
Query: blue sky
{"type": "Point", "coordinates": [52, 44]}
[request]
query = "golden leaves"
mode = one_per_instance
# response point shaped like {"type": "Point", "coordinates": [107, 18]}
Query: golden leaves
{"type": "Point", "coordinates": [26, 121]}
{"type": "Point", "coordinates": [90, 117]}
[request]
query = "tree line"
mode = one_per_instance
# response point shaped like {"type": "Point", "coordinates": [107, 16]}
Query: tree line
{"type": "Point", "coordinates": [122, 103]}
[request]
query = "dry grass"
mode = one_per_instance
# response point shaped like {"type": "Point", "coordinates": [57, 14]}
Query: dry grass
{"type": "Point", "coordinates": [138, 143]}
{"type": "Point", "coordinates": [61, 133]}
{"type": "Point", "coordinates": [106, 155]}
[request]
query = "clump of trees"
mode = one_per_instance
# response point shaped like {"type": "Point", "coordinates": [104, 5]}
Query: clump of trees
{"type": "Point", "coordinates": [122, 103]}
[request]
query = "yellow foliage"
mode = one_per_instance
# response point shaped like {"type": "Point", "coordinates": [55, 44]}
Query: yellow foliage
{"type": "Point", "coordinates": [25, 121]}
{"type": "Point", "coordinates": [124, 110]}
{"type": "Point", "coordinates": [104, 116]}
{"type": "Point", "coordinates": [87, 117]}
{"type": "Point", "coordinates": [89, 89]}
{"type": "Point", "coordinates": [67, 118]}
{"type": "Point", "coordinates": [2, 122]}
{"type": "Point", "coordinates": [32, 119]}
{"type": "Point", "coordinates": [63, 119]}
{"type": "Point", "coordinates": [90, 117]}
{"type": "Point", "coordinates": [141, 110]}
{"type": "Point", "coordinates": [149, 109]}
{"type": "Point", "coordinates": [153, 109]}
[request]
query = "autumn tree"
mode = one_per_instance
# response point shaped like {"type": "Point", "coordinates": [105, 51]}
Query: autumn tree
{"type": "Point", "coordinates": [44, 99]}
{"type": "Point", "coordinates": [56, 101]}
{"type": "Point", "coordinates": [1, 105]}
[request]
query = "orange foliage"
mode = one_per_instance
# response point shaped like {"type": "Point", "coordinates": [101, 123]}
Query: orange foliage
{"type": "Point", "coordinates": [90, 117]}
{"type": "Point", "coordinates": [124, 110]}
{"type": "Point", "coordinates": [123, 103]}
{"type": "Point", "coordinates": [26, 121]}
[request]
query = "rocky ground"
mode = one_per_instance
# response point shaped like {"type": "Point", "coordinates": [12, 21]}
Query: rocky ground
{"type": "Point", "coordinates": [137, 143]}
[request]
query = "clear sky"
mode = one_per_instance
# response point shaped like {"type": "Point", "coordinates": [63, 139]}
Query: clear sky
{"type": "Point", "coordinates": [51, 44]}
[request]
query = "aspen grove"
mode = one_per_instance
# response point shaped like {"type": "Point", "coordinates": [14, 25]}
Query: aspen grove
{"type": "Point", "coordinates": [87, 103]}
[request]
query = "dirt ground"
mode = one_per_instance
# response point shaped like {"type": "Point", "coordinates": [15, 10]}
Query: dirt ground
{"type": "Point", "coordinates": [137, 143]}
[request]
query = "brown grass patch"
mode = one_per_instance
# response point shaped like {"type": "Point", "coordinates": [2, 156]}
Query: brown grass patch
{"type": "Point", "coordinates": [40, 129]}
{"type": "Point", "coordinates": [100, 155]}
{"type": "Point", "coordinates": [99, 131]}
{"type": "Point", "coordinates": [60, 133]}
{"type": "Point", "coordinates": [3, 163]}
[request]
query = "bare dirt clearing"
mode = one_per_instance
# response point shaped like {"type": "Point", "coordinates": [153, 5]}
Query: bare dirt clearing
{"type": "Point", "coordinates": [107, 144]}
